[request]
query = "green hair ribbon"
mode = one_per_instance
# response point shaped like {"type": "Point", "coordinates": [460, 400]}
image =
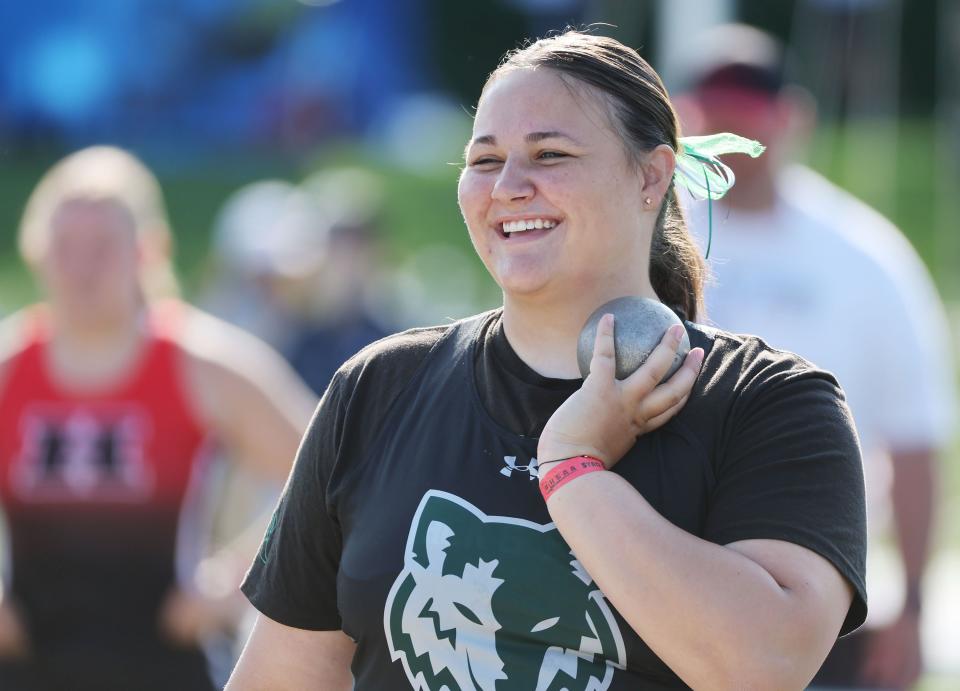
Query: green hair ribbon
{"type": "Point", "coordinates": [703, 174]}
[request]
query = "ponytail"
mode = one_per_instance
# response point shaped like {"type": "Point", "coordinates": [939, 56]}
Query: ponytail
{"type": "Point", "coordinates": [676, 267]}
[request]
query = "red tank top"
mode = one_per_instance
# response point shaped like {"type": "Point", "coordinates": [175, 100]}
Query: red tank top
{"type": "Point", "coordinates": [93, 485]}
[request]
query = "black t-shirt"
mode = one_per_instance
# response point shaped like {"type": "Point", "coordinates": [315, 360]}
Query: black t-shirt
{"type": "Point", "coordinates": [413, 520]}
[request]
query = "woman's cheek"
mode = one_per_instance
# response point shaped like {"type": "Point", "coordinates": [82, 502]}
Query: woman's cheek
{"type": "Point", "coordinates": [470, 194]}
{"type": "Point", "coordinates": [469, 185]}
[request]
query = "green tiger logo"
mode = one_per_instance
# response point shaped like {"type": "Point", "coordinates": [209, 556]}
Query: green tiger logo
{"type": "Point", "coordinates": [492, 603]}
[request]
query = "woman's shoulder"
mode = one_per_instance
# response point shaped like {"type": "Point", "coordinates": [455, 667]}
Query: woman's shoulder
{"type": "Point", "coordinates": [366, 387]}
{"type": "Point", "coordinates": [403, 349]}
{"type": "Point", "coordinates": [750, 393]}
{"type": "Point", "coordinates": [400, 355]}
{"type": "Point", "coordinates": [14, 330]}
{"type": "Point", "coordinates": [738, 365]}
{"type": "Point", "coordinates": [17, 332]}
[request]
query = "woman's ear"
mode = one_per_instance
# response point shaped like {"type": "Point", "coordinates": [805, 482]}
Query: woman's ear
{"type": "Point", "coordinates": [657, 174]}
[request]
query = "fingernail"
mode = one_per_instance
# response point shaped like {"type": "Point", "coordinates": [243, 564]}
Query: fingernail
{"type": "Point", "coordinates": [697, 355]}
{"type": "Point", "coordinates": [676, 333]}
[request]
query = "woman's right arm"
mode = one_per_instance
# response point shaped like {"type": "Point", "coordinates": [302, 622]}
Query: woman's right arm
{"type": "Point", "coordinates": [282, 658]}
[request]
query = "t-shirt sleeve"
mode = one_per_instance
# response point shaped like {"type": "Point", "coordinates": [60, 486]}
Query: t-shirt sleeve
{"type": "Point", "coordinates": [790, 470]}
{"type": "Point", "coordinates": [293, 577]}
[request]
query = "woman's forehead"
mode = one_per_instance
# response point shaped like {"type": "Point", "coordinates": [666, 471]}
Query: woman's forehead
{"type": "Point", "coordinates": [82, 210]}
{"type": "Point", "coordinates": [524, 101]}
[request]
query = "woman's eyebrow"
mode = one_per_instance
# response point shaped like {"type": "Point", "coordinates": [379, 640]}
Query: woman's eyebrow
{"type": "Point", "coordinates": [533, 137]}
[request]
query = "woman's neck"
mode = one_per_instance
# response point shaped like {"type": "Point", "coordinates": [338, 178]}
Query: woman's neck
{"type": "Point", "coordinates": [89, 354]}
{"type": "Point", "coordinates": [545, 336]}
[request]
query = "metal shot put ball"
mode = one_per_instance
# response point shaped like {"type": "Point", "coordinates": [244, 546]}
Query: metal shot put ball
{"type": "Point", "coordinates": [638, 326]}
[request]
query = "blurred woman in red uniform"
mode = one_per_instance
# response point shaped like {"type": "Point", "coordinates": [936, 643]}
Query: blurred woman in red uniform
{"type": "Point", "coordinates": [109, 397]}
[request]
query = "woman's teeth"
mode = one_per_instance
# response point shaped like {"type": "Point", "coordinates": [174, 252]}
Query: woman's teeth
{"type": "Point", "coordinates": [529, 224]}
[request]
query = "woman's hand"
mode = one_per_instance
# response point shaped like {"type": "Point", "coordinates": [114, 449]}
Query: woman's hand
{"type": "Point", "coordinates": [14, 641]}
{"type": "Point", "coordinates": [604, 418]}
{"type": "Point", "coordinates": [893, 656]}
{"type": "Point", "coordinates": [188, 618]}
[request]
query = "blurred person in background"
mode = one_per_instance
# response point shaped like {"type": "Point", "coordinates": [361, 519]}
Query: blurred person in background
{"type": "Point", "coordinates": [301, 267]}
{"type": "Point", "coordinates": [269, 247]}
{"type": "Point", "coordinates": [347, 310]}
{"type": "Point", "coordinates": [109, 399]}
{"type": "Point", "coordinates": [816, 271]}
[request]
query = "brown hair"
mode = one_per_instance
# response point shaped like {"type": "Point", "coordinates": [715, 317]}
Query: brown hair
{"type": "Point", "coordinates": [642, 113]}
{"type": "Point", "coordinates": [107, 174]}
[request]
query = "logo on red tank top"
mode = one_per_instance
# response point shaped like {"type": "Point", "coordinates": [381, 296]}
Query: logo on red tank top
{"type": "Point", "coordinates": [76, 453]}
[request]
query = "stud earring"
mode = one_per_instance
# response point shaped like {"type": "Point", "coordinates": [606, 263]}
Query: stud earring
{"type": "Point", "coordinates": [648, 201]}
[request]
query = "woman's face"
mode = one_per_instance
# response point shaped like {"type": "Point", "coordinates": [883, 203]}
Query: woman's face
{"type": "Point", "coordinates": [91, 265]}
{"type": "Point", "coordinates": [544, 153]}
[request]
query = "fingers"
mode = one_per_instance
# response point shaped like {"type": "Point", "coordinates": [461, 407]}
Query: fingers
{"type": "Point", "coordinates": [677, 388]}
{"type": "Point", "coordinates": [641, 401]}
{"type": "Point", "coordinates": [652, 372]}
{"type": "Point", "coordinates": [603, 364]}
{"type": "Point", "coordinates": [661, 419]}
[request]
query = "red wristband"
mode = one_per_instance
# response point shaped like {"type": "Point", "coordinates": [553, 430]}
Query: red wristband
{"type": "Point", "coordinates": [568, 470]}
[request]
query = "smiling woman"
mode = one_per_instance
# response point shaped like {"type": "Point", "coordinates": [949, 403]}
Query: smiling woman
{"type": "Point", "coordinates": [467, 513]}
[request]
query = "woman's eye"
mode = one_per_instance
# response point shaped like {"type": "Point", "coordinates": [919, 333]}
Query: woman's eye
{"type": "Point", "coordinates": [551, 154]}
{"type": "Point", "coordinates": [483, 162]}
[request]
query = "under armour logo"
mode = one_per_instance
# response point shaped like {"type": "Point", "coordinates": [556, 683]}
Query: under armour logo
{"type": "Point", "coordinates": [511, 465]}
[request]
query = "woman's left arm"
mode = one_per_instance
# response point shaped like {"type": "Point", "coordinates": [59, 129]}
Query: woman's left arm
{"type": "Point", "coordinates": [249, 396]}
{"type": "Point", "coordinates": [258, 409]}
{"type": "Point", "coordinates": [752, 614]}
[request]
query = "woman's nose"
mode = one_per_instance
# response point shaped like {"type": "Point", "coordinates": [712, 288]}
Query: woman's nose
{"type": "Point", "coordinates": [513, 183]}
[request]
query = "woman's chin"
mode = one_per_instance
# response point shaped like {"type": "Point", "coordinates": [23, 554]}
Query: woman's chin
{"type": "Point", "coordinates": [523, 285]}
